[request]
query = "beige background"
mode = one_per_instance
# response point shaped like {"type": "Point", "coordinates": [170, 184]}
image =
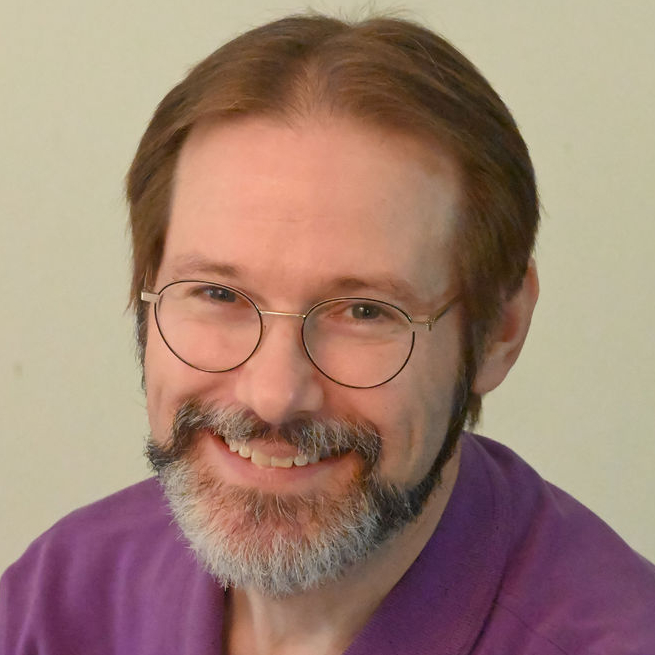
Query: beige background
{"type": "Point", "coordinates": [79, 82]}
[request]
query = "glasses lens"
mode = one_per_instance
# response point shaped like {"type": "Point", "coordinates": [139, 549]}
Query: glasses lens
{"type": "Point", "coordinates": [210, 327]}
{"type": "Point", "coordinates": [358, 342]}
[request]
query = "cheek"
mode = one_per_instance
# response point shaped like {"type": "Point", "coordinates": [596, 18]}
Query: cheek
{"type": "Point", "coordinates": [169, 382]}
{"type": "Point", "coordinates": [416, 414]}
{"type": "Point", "coordinates": [158, 385]}
{"type": "Point", "coordinates": [413, 437]}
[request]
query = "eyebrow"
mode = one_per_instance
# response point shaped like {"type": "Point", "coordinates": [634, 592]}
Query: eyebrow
{"type": "Point", "coordinates": [387, 286]}
{"type": "Point", "coordinates": [190, 266]}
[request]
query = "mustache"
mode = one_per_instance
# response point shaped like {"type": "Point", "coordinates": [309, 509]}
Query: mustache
{"type": "Point", "coordinates": [311, 436]}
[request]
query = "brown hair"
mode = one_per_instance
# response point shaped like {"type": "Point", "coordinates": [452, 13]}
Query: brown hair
{"type": "Point", "coordinates": [387, 72]}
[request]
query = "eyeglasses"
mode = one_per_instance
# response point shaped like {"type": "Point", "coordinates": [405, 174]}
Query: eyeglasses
{"type": "Point", "coordinates": [356, 342]}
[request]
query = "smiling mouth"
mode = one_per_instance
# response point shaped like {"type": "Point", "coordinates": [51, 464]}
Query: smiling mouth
{"type": "Point", "coordinates": [257, 456]}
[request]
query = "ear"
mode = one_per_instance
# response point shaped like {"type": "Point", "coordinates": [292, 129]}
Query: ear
{"type": "Point", "coordinates": [506, 339]}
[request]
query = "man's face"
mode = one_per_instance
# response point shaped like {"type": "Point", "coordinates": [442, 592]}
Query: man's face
{"type": "Point", "coordinates": [292, 216]}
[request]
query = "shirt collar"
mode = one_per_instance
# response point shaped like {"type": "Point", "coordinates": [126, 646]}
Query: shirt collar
{"type": "Point", "coordinates": [442, 601]}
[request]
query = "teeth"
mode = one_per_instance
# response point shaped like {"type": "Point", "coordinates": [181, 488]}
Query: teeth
{"type": "Point", "coordinates": [282, 462]}
{"type": "Point", "coordinates": [261, 459]}
{"type": "Point", "coordinates": [301, 460]}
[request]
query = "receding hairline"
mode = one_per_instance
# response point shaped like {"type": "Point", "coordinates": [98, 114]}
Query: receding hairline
{"type": "Point", "coordinates": [431, 151]}
{"type": "Point", "coordinates": [427, 151]}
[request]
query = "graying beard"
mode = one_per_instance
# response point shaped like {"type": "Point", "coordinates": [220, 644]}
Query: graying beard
{"type": "Point", "coordinates": [280, 544]}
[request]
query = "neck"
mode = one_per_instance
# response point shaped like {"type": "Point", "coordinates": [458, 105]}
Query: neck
{"type": "Point", "coordinates": [325, 620]}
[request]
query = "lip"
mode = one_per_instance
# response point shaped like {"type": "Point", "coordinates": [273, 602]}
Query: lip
{"type": "Point", "coordinates": [236, 470]}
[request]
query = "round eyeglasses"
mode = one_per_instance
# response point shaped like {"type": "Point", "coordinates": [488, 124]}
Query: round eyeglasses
{"type": "Point", "coordinates": [356, 342]}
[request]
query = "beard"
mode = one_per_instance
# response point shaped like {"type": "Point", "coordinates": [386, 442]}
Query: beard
{"type": "Point", "coordinates": [283, 544]}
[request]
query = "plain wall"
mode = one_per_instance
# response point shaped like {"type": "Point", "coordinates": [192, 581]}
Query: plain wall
{"type": "Point", "coordinates": [80, 81]}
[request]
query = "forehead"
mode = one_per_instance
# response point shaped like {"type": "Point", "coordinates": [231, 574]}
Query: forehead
{"type": "Point", "coordinates": [304, 204]}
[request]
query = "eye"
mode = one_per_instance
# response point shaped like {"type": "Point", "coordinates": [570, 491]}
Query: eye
{"type": "Point", "coordinates": [217, 293]}
{"type": "Point", "coordinates": [366, 311]}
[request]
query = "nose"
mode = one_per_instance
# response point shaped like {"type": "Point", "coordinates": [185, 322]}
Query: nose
{"type": "Point", "coordinates": [279, 383]}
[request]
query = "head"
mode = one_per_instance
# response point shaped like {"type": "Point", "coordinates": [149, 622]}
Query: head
{"type": "Point", "coordinates": [394, 93]}
{"type": "Point", "coordinates": [388, 73]}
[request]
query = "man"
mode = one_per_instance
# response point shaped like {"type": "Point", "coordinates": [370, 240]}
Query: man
{"type": "Point", "coordinates": [332, 228]}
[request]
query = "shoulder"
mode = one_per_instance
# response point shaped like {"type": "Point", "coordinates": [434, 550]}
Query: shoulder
{"type": "Point", "coordinates": [569, 581]}
{"type": "Point", "coordinates": [100, 567]}
{"type": "Point", "coordinates": [98, 532]}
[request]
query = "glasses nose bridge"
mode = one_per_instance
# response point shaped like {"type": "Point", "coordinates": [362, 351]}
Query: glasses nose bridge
{"type": "Point", "coordinates": [268, 312]}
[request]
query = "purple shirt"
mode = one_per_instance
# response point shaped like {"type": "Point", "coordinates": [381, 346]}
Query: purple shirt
{"type": "Point", "coordinates": [515, 567]}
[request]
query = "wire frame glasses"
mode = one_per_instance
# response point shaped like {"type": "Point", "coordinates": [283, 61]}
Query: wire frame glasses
{"type": "Point", "coordinates": [356, 342]}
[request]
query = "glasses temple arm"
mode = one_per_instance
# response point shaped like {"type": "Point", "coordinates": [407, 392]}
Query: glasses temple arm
{"type": "Point", "coordinates": [147, 296]}
{"type": "Point", "coordinates": [431, 321]}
